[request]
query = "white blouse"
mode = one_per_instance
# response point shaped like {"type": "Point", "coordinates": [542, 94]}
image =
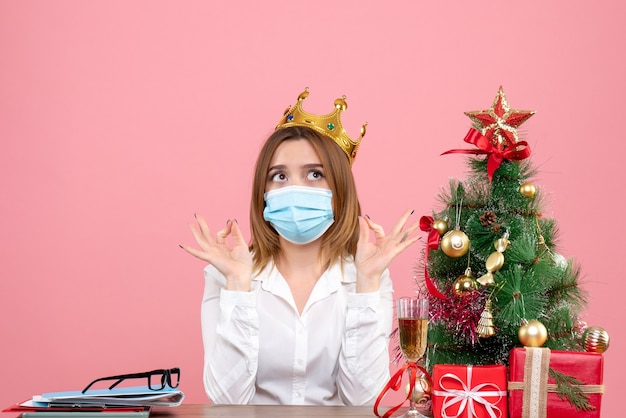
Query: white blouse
{"type": "Point", "coordinates": [259, 350]}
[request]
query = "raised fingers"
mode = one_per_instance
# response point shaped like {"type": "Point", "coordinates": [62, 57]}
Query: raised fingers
{"type": "Point", "coordinates": [203, 228]}
{"type": "Point", "coordinates": [364, 230]}
{"type": "Point", "coordinates": [199, 236]}
{"type": "Point", "coordinates": [399, 226]}
{"type": "Point", "coordinates": [196, 253]}
{"type": "Point", "coordinates": [379, 231]}
{"type": "Point", "coordinates": [222, 235]}
{"type": "Point", "coordinates": [407, 238]}
{"type": "Point", "coordinates": [238, 238]}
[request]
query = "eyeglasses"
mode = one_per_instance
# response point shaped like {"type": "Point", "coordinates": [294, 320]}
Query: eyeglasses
{"type": "Point", "coordinates": [157, 379]}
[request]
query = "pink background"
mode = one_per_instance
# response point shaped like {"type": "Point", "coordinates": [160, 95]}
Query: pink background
{"type": "Point", "coordinates": [120, 119]}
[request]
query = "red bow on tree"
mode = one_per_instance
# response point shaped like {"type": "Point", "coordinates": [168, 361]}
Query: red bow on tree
{"type": "Point", "coordinates": [496, 153]}
{"type": "Point", "coordinates": [426, 225]}
{"type": "Point", "coordinates": [495, 133]}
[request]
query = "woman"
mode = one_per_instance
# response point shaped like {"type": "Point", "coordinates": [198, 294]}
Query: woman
{"type": "Point", "coordinates": [303, 314]}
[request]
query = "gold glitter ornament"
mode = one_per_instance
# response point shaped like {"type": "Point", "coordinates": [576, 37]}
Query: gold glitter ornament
{"type": "Point", "coordinates": [495, 261]}
{"type": "Point", "coordinates": [595, 339]}
{"type": "Point", "coordinates": [465, 284]}
{"type": "Point", "coordinates": [532, 334]}
{"type": "Point", "coordinates": [528, 190]}
{"type": "Point", "coordinates": [421, 390]}
{"type": "Point", "coordinates": [502, 244]}
{"type": "Point", "coordinates": [455, 243]}
{"type": "Point", "coordinates": [579, 327]}
{"type": "Point", "coordinates": [441, 226]}
{"type": "Point", "coordinates": [485, 328]}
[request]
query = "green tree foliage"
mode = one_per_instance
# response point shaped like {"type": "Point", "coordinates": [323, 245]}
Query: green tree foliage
{"type": "Point", "coordinates": [534, 282]}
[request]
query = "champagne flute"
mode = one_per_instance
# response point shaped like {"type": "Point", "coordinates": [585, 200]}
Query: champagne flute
{"type": "Point", "coordinates": [413, 330]}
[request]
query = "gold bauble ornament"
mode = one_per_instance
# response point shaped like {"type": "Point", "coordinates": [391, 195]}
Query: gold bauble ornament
{"type": "Point", "coordinates": [441, 226]}
{"type": "Point", "coordinates": [532, 334]}
{"type": "Point", "coordinates": [465, 284]}
{"type": "Point", "coordinates": [528, 190]}
{"type": "Point", "coordinates": [421, 390]}
{"type": "Point", "coordinates": [455, 243]}
{"type": "Point", "coordinates": [596, 339]}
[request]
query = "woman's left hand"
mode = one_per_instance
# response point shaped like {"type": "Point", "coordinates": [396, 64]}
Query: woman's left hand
{"type": "Point", "coordinates": [372, 258]}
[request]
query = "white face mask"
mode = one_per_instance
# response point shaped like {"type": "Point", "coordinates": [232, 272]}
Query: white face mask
{"type": "Point", "coordinates": [299, 214]}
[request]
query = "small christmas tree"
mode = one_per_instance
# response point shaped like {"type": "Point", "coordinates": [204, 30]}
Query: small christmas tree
{"type": "Point", "coordinates": [496, 282]}
{"type": "Point", "coordinates": [492, 272]}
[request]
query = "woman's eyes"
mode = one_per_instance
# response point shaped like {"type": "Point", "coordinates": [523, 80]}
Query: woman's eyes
{"type": "Point", "coordinates": [315, 175]}
{"type": "Point", "coordinates": [281, 177]}
{"type": "Point", "coordinates": [278, 177]}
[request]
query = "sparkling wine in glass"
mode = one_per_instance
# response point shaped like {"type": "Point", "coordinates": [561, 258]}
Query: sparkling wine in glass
{"type": "Point", "coordinates": [413, 331]}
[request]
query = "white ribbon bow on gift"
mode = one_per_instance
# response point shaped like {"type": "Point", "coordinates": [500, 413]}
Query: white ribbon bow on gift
{"type": "Point", "coordinates": [468, 396]}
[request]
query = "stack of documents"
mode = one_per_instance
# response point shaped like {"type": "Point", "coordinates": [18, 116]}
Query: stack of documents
{"type": "Point", "coordinates": [119, 402]}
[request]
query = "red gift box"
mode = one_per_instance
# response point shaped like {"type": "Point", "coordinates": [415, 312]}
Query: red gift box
{"type": "Point", "coordinates": [469, 391]}
{"type": "Point", "coordinates": [532, 393]}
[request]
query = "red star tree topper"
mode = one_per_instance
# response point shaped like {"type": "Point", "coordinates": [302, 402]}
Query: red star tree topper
{"type": "Point", "coordinates": [500, 122]}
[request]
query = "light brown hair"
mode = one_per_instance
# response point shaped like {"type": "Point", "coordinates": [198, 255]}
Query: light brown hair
{"type": "Point", "coordinates": [341, 238]}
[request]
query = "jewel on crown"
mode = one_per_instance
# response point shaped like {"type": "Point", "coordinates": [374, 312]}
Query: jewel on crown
{"type": "Point", "coordinates": [328, 125]}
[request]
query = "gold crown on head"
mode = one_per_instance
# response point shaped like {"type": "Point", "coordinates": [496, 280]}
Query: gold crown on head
{"type": "Point", "coordinates": [328, 125]}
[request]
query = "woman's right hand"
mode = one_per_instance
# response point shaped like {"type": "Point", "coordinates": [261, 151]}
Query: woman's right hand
{"type": "Point", "coordinates": [235, 262]}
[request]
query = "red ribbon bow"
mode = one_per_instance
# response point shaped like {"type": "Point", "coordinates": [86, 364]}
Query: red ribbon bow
{"type": "Point", "coordinates": [394, 384]}
{"type": "Point", "coordinates": [426, 225]}
{"type": "Point", "coordinates": [496, 153]}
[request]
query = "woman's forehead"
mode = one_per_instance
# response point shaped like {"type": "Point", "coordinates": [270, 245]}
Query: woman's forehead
{"type": "Point", "coordinates": [297, 151]}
